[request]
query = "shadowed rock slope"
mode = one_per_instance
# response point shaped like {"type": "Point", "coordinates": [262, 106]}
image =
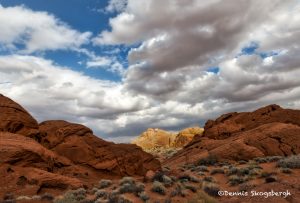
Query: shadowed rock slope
{"type": "Point", "coordinates": [57, 155]}
{"type": "Point", "coordinates": [267, 131]}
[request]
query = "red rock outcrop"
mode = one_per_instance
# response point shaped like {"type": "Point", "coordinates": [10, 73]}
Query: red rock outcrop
{"type": "Point", "coordinates": [15, 119]}
{"type": "Point", "coordinates": [268, 131]}
{"type": "Point", "coordinates": [27, 166]}
{"type": "Point", "coordinates": [78, 144]}
{"type": "Point", "coordinates": [58, 155]}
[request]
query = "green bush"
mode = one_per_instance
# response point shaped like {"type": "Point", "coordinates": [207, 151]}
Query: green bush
{"type": "Point", "coordinates": [158, 187]}
{"type": "Point", "coordinates": [289, 162]}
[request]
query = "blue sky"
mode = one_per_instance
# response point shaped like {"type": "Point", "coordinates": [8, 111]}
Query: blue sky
{"type": "Point", "coordinates": [82, 15]}
{"type": "Point", "coordinates": [122, 66]}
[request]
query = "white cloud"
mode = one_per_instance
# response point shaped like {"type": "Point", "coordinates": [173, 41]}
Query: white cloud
{"type": "Point", "coordinates": [116, 5]}
{"type": "Point", "coordinates": [37, 31]}
{"type": "Point", "coordinates": [98, 62]}
{"type": "Point", "coordinates": [60, 93]}
{"type": "Point", "coordinates": [167, 84]}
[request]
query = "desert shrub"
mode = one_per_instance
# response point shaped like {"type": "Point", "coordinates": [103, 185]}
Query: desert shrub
{"type": "Point", "coordinates": [217, 170]}
{"type": "Point", "coordinates": [243, 171]}
{"type": "Point", "coordinates": [273, 158]}
{"type": "Point", "coordinates": [177, 191]}
{"type": "Point", "coordinates": [208, 179]}
{"type": "Point", "coordinates": [168, 201]}
{"type": "Point", "coordinates": [101, 194]}
{"type": "Point", "coordinates": [184, 178]}
{"type": "Point", "coordinates": [208, 161]}
{"type": "Point", "coordinates": [118, 199]}
{"type": "Point", "coordinates": [261, 160]}
{"type": "Point", "coordinates": [254, 172]}
{"type": "Point", "coordinates": [69, 197]}
{"type": "Point", "coordinates": [211, 188]}
{"type": "Point", "coordinates": [253, 166]}
{"type": "Point", "coordinates": [191, 188]}
{"type": "Point", "coordinates": [80, 193]}
{"type": "Point", "coordinates": [167, 181]}
{"type": "Point", "coordinates": [202, 197]}
{"type": "Point", "coordinates": [265, 174]}
{"type": "Point", "coordinates": [9, 196]}
{"type": "Point", "coordinates": [201, 173]}
{"type": "Point", "coordinates": [21, 198]}
{"type": "Point", "coordinates": [235, 180]}
{"type": "Point", "coordinates": [100, 201]}
{"type": "Point", "coordinates": [47, 197]}
{"type": "Point", "coordinates": [246, 186]}
{"type": "Point", "coordinates": [94, 190]}
{"type": "Point", "coordinates": [87, 201]}
{"type": "Point", "coordinates": [232, 171]}
{"type": "Point", "coordinates": [128, 180]}
{"type": "Point", "coordinates": [104, 183]}
{"type": "Point", "coordinates": [135, 188]}
{"type": "Point", "coordinates": [289, 162]}
{"type": "Point", "coordinates": [174, 178]}
{"type": "Point", "coordinates": [202, 168]}
{"type": "Point", "coordinates": [158, 187]}
{"type": "Point", "coordinates": [270, 179]}
{"type": "Point", "coordinates": [143, 196]}
{"type": "Point", "coordinates": [36, 197]}
{"type": "Point", "coordinates": [194, 179]}
{"type": "Point", "coordinates": [242, 162]}
{"type": "Point", "coordinates": [158, 176]}
{"type": "Point", "coordinates": [127, 188]}
{"type": "Point", "coordinates": [285, 170]}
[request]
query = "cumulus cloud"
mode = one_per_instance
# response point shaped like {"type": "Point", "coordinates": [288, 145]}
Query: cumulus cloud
{"type": "Point", "coordinates": [37, 31]}
{"type": "Point", "coordinates": [168, 83]}
{"type": "Point", "coordinates": [60, 93]}
{"type": "Point", "coordinates": [180, 40]}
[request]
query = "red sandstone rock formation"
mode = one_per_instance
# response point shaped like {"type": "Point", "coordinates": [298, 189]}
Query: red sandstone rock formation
{"type": "Point", "coordinates": [268, 131]}
{"type": "Point", "coordinates": [57, 155]}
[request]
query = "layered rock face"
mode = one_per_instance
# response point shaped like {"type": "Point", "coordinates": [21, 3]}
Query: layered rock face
{"type": "Point", "coordinates": [268, 131]}
{"type": "Point", "coordinates": [57, 155]}
{"type": "Point", "coordinates": [157, 138]}
{"type": "Point", "coordinates": [185, 136]}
